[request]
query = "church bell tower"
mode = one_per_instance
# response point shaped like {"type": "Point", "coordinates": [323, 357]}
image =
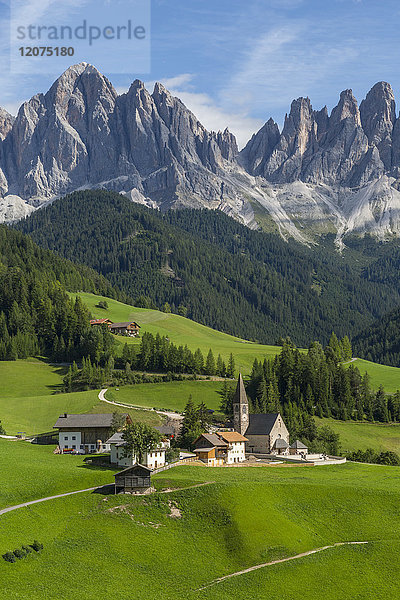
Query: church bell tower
{"type": "Point", "coordinates": [240, 408]}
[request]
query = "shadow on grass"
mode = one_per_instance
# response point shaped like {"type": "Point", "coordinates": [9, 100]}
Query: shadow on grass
{"type": "Point", "coordinates": [98, 463]}
{"type": "Point", "coordinates": [105, 490]}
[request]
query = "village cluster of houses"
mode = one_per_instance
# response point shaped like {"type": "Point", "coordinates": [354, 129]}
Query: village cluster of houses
{"type": "Point", "coordinates": [129, 328]}
{"type": "Point", "coordinates": [261, 435]}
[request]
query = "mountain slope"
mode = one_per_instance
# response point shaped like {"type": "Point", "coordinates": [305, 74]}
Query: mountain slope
{"type": "Point", "coordinates": [222, 274]}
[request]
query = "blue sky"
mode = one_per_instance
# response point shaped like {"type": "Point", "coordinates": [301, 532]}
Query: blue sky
{"type": "Point", "coordinates": [236, 63]}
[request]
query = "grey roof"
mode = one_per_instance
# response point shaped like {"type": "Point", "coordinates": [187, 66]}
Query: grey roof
{"type": "Point", "coordinates": [298, 445]}
{"type": "Point", "coordinates": [281, 443]}
{"type": "Point", "coordinates": [261, 424]}
{"type": "Point", "coordinates": [213, 439]}
{"type": "Point", "coordinates": [204, 449]}
{"type": "Point", "coordinates": [116, 438]}
{"type": "Point", "coordinates": [240, 393]}
{"type": "Point", "coordinates": [165, 430]}
{"type": "Point", "coordinates": [136, 466]}
{"type": "Point", "coordinates": [85, 420]}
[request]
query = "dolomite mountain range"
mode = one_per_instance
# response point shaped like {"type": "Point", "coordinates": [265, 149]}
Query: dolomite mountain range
{"type": "Point", "coordinates": [337, 172]}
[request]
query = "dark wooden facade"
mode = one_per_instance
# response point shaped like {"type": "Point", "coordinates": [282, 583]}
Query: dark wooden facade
{"type": "Point", "coordinates": [133, 479]}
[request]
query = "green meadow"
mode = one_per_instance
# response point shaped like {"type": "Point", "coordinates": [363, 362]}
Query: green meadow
{"type": "Point", "coordinates": [363, 435]}
{"type": "Point", "coordinates": [29, 471]}
{"type": "Point", "coordinates": [169, 396]}
{"type": "Point", "coordinates": [184, 331]}
{"type": "Point", "coordinates": [181, 331]}
{"type": "Point", "coordinates": [131, 547]}
{"type": "Point", "coordinates": [389, 377]}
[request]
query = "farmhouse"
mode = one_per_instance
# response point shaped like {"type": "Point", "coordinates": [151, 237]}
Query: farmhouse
{"type": "Point", "coordinates": [129, 328]}
{"type": "Point", "coordinates": [265, 433]}
{"type": "Point", "coordinates": [85, 433]}
{"type": "Point", "coordinates": [153, 459]}
{"type": "Point", "coordinates": [221, 447]}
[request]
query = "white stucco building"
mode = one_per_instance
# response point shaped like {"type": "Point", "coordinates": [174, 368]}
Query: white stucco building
{"type": "Point", "coordinates": [152, 460]}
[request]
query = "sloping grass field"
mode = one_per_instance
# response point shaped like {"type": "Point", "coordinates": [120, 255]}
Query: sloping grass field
{"type": "Point", "coordinates": [170, 396]}
{"type": "Point", "coordinates": [360, 436]}
{"type": "Point", "coordinates": [184, 331]}
{"type": "Point", "coordinates": [132, 547]}
{"type": "Point", "coordinates": [181, 331]}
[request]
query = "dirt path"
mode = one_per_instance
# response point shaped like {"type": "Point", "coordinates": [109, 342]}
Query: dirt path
{"type": "Point", "coordinates": [275, 562]}
{"type": "Point", "coordinates": [349, 361]}
{"type": "Point", "coordinates": [10, 508]}
{"type": "Point", "coordinates": [170, 415]}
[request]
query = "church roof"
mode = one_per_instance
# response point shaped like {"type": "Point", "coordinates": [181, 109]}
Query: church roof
{"type": "Point", "coordinates": [240, 394]}
{"type": "Point", "coordinates": [261, 424]}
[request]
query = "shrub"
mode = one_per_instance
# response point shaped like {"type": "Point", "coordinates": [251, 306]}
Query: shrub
{"type": "Point", "coordinates": [27, 549]}
{"type": "Point", "coordinates": [9, 557]}
{"type": "Point", "coordinates": [37, 546]}
{"type": "Point", "coordinates": [19, 553]}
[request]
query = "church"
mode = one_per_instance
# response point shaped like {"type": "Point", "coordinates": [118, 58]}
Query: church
{"type": "Point", "coordinates": [266, 433]}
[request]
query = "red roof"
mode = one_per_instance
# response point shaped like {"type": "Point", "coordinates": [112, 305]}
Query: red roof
{"type": "Point", "coordinates": [99, 321]}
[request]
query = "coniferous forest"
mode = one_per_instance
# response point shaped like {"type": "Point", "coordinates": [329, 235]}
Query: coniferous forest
{"type": "Point", "coordinates": [218, 272]}
{"type": "Point", "coordinates": [37, 316]}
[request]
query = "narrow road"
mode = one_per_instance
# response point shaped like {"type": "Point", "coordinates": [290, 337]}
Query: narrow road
{"type": "Point", "coordinates": [275, 562]}
{"type": "Point", "coordinates": [10, 508]}
{"type": "Point", "coordinates": [170, 415]}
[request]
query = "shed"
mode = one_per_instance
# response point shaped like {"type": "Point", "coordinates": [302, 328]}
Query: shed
{"type": "Point", "coordinates": [298, 448]}
{"type": "Point", "coordinates": [281, 446]}
{"type": "Point", "coordinates": [133, 479]}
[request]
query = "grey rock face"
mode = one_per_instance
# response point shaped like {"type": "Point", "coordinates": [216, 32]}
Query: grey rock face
{"type": "Point", "coordinates": [322, 172]}
{"type": "Point", "coordinates": [82, 134]}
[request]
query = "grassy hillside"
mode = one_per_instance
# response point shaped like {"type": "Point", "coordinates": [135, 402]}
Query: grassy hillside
{"type": "Point", "coordinates": [171, 396]}
{"type": "Point", "coordinates": [30, 377]}
{"type": "Point", "coordinates": [29, 471]}
{"type": "Point", "coordinates": [389, 377]}
{"type": "Point", "coordinates": [185, 331]}
{"type": "Point", "coordinates": [134, 546]}
{"type": "Point", "coordinates": [360, 436]}
{"type": "Point", "coordinates": [181, 331]}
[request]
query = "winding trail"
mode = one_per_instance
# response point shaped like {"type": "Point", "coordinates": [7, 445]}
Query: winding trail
{"type": "Point", "coordinates": [10, 508]}
{"type": "Point", "coordinates": [170, 415]}
{"type": "Point", "coordinates": [276, 562]}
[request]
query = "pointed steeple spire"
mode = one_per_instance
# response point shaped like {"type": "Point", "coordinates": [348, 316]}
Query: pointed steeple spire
{"type": "Point", "coordinates": [240, 407]}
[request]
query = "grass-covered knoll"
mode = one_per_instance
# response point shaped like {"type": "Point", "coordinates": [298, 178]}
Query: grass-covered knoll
{"type": "Point", "coordinates": [38, 414]}
{"type": "Point", "coordinates": [171, 396]}
{"type": "Point", "coordinates": [29, 377]}
{"type": "Point", "coordinates": [389, 377]}
{"type": "Point", "coordinates": [360, 436]}
{"type": "Point", "coordinates": [181, 331]}
{"type": "Point", "coordinates": [132, 547]}
{"type": "Point", "coordinates": [29, 471]}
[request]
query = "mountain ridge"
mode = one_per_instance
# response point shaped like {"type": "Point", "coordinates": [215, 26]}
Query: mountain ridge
{"type": "Point", "coordinates": [337, 172]}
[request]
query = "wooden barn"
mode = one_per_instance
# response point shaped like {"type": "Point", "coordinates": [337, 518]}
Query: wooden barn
{"type": "Point", "coordinates": [133, 479]}
{"type": "Point", "coordinates": [129, 328]}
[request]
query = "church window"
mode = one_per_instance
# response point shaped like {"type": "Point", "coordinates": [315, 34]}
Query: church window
{"type": "Point", "coordinates": [244, 408]}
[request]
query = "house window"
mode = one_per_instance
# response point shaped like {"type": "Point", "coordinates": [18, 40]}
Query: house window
{"type": "Point", "coordinates": [104, 447]}
{"type": "Point", "coordinates": [73, 447]}
{"type": "Point", "coordinates": [81, 446]}
{"type": "Point", "coordinates": [66, 438]}
{"type": "Point", "coordinates": [73, 437]}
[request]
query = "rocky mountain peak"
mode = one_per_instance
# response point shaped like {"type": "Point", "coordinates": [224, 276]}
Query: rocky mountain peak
{"type": "Point", "coordinates": [347, 108]}
{"type": "Point", "coordinates": [378, 115]}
